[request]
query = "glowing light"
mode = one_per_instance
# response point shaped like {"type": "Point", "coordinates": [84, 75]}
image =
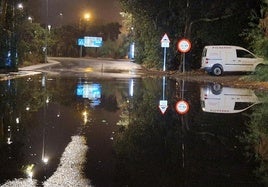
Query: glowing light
{"type": "Point", "coordinates": [29, 170]}
{"type": "Point", "coordinates": [47, 100]}
{"type": "Point", "coordinates": [85, 116]}
{"type": "Point", "coordinates": [30, 19]}
{"type": "Point", "coordinates": [45, 160]}
{"type": "Point", "coordinates": [9, 141]}
{"type": "Point", "coordinates": [20, 6]}
{"type": "Point", "coordinates": [87, 16]}
{"type": "Point", "coordinates": [88, 70]}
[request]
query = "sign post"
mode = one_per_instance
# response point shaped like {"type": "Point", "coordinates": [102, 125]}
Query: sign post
{"type": "Point", "coordinates": [184, 46]}
{"type": "Point", "coordinates": [165, 43]}
{"type": "Point", "coordinates": [81, 43]}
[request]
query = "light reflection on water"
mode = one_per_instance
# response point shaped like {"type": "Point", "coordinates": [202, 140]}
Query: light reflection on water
{"type": "Point", "coordinates": [136, 132]}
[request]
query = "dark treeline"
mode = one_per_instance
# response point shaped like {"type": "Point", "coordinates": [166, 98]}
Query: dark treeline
{"type": "Point", "coordinates": [24, 40]}
{"type": "Point", "coordinates": [203, 22]}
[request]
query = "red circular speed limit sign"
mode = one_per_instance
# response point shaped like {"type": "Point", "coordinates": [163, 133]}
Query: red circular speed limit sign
{"type": "Point", "coordinates": [184, 45]}
{"type": "Point", "coordinates": [182, 107]}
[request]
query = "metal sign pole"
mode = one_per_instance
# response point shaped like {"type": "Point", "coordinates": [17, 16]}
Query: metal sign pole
{"type": "Point", "coordinates": [183, 62]}
{"type": "Point", "coordinates": [165, 52]}
{"type": "Point", "coordinates": [81, 49]}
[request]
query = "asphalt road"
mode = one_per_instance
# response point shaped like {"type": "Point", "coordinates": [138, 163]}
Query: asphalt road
{"type": "Point", "coordinates": [89, 67]}
{"type": "Point", "coordinates": [92, 67]}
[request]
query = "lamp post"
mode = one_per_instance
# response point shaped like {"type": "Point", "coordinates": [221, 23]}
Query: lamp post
{"type": "Point", "coordinates": [61, 19]}
{"type": "Point", "coordinates": [11, 60]}
{"type": "Point", "coordinates": [46, 37]}
{"type": "Point", "coordinates": [83, 22]}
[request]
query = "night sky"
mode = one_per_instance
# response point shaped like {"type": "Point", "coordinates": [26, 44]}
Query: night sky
{"type": "Point", "coordinates": [73, 10]}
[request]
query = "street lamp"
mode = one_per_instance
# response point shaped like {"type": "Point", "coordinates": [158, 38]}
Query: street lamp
{"type": "Point", "coordinates": [61, 19]}
{"type": "Point", "coordinates": [30, 19]}
{"type": "Point", "coordinates": [84, 20]}
{"type": "Point", "coordinates": [45, 49]}
{"type": "Point", "coordinates": [87, 16]}
{"type": "Point", "coordinates": [20, 6]}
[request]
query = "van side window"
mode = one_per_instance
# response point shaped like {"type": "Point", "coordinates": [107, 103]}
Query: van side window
{"type": "Point", "coordinates": [243, 54]}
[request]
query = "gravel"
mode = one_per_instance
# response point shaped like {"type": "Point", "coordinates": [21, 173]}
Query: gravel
{"type": "Point", "coordinates": [69, 172]}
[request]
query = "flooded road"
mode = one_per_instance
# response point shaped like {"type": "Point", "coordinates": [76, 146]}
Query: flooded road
{"type": "Point", "coordinates": [130, 131]}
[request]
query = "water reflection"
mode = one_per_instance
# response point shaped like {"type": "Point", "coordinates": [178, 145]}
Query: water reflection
{"type": "Point", "coordinates": [216, 98]}
{"type": "Point", "coordinates": [127, 141]}
{"type": "Point", "coordinates": [91, 91]}
{"type": "Point", "coordinates": [256, 137]}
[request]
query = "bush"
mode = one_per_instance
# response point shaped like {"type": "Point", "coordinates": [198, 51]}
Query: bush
{"type": "Point", "coordinates": [262, 74]}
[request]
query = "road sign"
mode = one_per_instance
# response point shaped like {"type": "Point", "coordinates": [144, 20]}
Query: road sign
{"type": "Point", "coordinates": [163, 106]}
{"type": "Point", "coordinates": [165, 41]}
{"type": "Point", "coordinates": [80, 41]}
{"type": "Point", "coordinates": [184, 45]}
{"type": "Point", "coordinates": [90, 41]}
{"type": "Point", "coordinates": [182, 107]}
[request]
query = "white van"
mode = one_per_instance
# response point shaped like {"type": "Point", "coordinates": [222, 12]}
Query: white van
{"type": "Point", "coordinates": [218, 99]}
{"type": "Point", "coordinates": [217, 59]}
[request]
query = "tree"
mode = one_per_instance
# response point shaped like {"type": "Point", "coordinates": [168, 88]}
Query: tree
{"type": "Point", "coordinates": [10, 20]}
{"type": "Point", "coordinates": [31, 38]}
{"type": "Point", "coordinates": [202, 22]}
{"type": "Point", "coordinates": [257, 34]}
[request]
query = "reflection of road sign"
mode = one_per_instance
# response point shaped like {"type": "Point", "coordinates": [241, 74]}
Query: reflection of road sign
{"type": "Point", "coordinates": [92, 41]}
{"type": "Point", "coordinates": [80, 41]}
{"type": "Point", "coordinates": [184, 45]}
{"type": "Point", "coordinates": [182, 107]}
{"type": "Point", "coordinates": [165, 41]}
{"type": "Point", "coordinates": [163, 106]}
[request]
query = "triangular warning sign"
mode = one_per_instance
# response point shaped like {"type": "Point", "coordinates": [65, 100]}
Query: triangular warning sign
{"type": "Point", "coordinates": [165, 38]}
{"type": "Point", "coordinates": [163, 109]}
{"type": "Point", "coordinates": [163, 106]}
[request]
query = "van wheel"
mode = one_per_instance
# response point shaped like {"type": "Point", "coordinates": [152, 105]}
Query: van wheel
{"type": "Point", "coordinates": [216, 88]}
{"type": "Point", "coordinates": [217, 70]}
{"type": "Point", "coordinates": [259, 67]}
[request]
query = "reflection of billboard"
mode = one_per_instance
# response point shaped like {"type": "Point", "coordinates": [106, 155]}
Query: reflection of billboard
{"type": "Point", "coordinates": [217, 99]}
{"type": "Point", "coordinates": [89, 91]}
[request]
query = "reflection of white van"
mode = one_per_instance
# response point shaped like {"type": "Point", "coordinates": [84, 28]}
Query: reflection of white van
{"type": "Point", "coordinates": [224, 58]}
{"type": "Point", "coordinates": [217, 99]}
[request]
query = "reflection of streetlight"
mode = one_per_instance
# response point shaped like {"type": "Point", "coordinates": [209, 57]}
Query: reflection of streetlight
{"type": "Point", "coordinates": [46, 102]}
{"type": "Point", "coordinates": [29, 170]}
{"type": "Point", "coordinates": [45, 160]}
{"type": "Point", "coordinates": [85, 116]}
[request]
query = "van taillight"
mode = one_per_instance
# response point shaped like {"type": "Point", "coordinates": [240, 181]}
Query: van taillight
{"type": "Point", "coordinates": [206, 61]}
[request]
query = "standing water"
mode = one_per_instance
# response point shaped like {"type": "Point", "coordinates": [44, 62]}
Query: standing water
{"type": "Point", "coordinates": [63, 131]}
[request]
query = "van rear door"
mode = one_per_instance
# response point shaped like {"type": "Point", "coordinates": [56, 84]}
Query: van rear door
{"type": "Point", "coordinates": [204, 56]}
